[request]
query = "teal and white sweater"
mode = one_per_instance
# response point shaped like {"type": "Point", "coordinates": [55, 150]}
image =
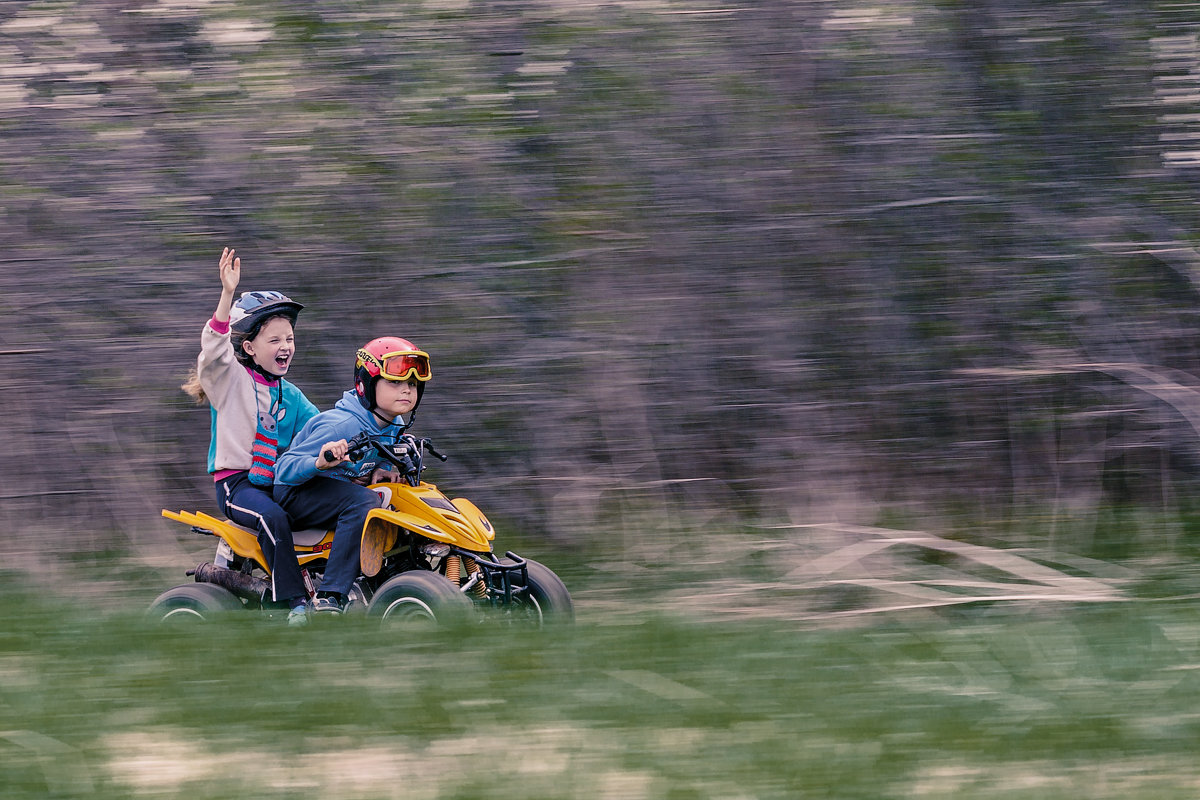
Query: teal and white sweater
{"type": "Point", "coordinates": [238, 395]}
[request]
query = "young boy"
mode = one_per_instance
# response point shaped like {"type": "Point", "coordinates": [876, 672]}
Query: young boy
{"type": "Point", "coordinates": [389, 379]}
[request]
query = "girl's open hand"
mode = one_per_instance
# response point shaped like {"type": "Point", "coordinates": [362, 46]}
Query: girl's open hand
{"type": "Point", "coordinates": [231, 270]}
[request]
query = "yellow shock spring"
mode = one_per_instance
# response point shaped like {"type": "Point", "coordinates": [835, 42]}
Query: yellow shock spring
{"type": "Point", "coordinates": [480, 588]}
{"type": "Point", "coordinates": [454, 568]}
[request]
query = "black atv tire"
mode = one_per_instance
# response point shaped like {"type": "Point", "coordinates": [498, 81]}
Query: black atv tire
{"type": "Point", "coordinates": [193, 602]}
{"type": "Point", "coordinates": [419, 599]}
{"type": "Point", "coordinates": [549, 603]}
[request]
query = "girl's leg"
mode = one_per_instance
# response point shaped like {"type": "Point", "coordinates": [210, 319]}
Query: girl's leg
{"type": "Point", "coordinates": [253, 507]}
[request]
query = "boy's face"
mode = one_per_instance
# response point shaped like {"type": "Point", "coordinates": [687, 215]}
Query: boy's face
{"type": "Point", "coordinates": [394, 398]}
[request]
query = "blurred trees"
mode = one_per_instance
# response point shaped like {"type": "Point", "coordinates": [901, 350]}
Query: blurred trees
{"type": "Point", "coordinates": [775, 261]}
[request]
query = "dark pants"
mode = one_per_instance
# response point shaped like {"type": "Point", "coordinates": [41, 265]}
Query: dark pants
{"type": "Point", "coordinates": [332, 503]}
{"type": "Point", "coordinates": [253, 507]}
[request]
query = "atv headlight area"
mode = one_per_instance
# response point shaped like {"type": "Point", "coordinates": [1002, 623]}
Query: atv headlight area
{"type": "Point", "coordinates": [435, 550]}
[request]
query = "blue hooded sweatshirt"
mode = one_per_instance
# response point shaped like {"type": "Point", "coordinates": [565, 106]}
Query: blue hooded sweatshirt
{"type": "Point", "coordinates": [346, 419]}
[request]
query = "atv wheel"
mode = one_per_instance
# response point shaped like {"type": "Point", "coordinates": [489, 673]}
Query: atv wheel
{"type": "Point", "coordinates": [419, 599]}
{"type": "Point", "coordinates": [548, 603]}
{"type": "Point", "coordinates": [193, 602]}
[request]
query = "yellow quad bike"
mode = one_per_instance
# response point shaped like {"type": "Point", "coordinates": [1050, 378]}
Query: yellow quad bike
{"type": "Point", "coordinates": [424, 559]}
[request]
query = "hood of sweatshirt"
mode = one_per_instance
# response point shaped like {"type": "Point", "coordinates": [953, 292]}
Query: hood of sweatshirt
{"type": "Point", "coordinates": [349, 403]}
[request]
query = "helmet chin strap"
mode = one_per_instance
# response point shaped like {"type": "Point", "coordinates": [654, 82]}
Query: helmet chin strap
{"type": "Point", "coordinates": [253, 366]}
{"type": "Point", "coordinates": [387, 421]}
{"type": "Point", "coordinates": [251, 363]}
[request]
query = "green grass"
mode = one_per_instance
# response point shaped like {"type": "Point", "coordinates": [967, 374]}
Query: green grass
{"type": "Point", "coordinates": [1002, 702]}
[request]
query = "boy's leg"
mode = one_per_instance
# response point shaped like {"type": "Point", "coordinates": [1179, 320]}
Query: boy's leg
{"type": "Point", "coordinates": [323, 502]}
{"type": "Point", "coordinates": [254, 507]}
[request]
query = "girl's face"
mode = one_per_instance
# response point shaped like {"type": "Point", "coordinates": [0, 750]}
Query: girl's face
{"type": "Point", "coordinates": [272, 349]}
{"type": "Point", "coordinates": [394, 398]}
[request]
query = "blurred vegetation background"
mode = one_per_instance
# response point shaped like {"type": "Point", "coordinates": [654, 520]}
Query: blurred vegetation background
{"type": "Point", "coordinates": [684, 268]}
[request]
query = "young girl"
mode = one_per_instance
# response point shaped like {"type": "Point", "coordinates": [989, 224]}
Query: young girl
{"type": "Point", "coordinates": [245, 350]}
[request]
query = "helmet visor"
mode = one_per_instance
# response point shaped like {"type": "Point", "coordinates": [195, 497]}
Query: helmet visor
{"type": "Point", "coordinates": [402, 366]}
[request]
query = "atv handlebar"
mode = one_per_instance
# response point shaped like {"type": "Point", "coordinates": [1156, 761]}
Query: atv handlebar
{"type": "Point", "coordinates": [405, 454]}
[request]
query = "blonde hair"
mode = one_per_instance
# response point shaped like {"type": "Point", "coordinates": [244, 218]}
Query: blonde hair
{"type": "Point", "coordinates": [193, 389]}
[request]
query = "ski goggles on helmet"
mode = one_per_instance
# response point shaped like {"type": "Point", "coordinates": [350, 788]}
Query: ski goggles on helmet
{"type": "Point", "coordinates": [405, 365]}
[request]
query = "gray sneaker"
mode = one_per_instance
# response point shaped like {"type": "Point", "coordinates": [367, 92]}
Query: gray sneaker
{"type": "Point", "coordinates": [327, 604]}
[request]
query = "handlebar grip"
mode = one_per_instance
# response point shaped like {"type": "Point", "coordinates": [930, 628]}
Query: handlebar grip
{"type": "Point", "coordinates": [355, 449]}
{"type": "Point", "coordinates": [428, 445]}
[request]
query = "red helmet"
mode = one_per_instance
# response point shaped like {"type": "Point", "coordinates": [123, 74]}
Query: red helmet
{"type": "Point", "coordinates": [390, 358]}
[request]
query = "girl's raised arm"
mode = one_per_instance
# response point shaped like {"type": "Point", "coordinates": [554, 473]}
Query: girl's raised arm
{"type": "Point", "coordinates": [231, 275]}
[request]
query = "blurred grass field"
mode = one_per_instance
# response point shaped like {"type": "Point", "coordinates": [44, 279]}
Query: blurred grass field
{"type": "Point", "coordinates": [1011, 700]}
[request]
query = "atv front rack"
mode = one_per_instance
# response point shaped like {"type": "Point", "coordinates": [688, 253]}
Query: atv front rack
{"type": "Point", "coordinates": [495, 582]}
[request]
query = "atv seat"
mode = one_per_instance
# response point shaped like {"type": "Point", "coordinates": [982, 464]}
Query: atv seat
{"type": "Point", "coordinates": [304, 538]}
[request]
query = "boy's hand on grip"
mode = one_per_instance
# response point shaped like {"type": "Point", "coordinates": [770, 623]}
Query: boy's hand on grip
{"type": "Point", "coordinates": [332, 454]}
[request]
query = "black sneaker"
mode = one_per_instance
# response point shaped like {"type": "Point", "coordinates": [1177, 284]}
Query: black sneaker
{"type": "Point", "coordinates": [327, 604]}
